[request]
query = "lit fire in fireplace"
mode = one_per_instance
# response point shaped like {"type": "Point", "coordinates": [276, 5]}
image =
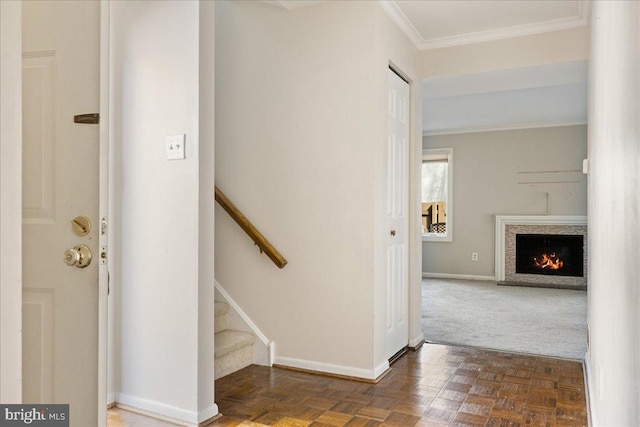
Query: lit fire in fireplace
{"type": "Point", "coordinates": [550, 261]}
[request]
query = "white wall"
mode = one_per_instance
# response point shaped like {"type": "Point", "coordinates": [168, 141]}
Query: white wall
{"type": "Point", "coordinates": [294, 122]}
{"type": "Point", "coordinates": [614, 215]}
{"type": "Point", "coordinates": [164, 291]}
{"type": "Point", "coordinates": [11, 202]}
{"type": "Point", "coordinates": [516, 52]}
{"type": "Point", "coordinates": [486, 183]}
{"type": "Point", "coordinates": [299, 102]}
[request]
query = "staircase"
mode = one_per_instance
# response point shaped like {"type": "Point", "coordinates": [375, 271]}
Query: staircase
{"type": "Point", "coordinates": [234, 349]}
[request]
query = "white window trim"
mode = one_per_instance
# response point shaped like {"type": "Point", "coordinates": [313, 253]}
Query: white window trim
{"type": "Point", "coordinates": [431, 152]}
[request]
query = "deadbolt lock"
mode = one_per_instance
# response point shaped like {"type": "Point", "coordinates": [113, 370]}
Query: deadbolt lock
{"type": "Point", "coordinates": [81, 225]}
{"type": "Point", "coordinates": [79, 256]}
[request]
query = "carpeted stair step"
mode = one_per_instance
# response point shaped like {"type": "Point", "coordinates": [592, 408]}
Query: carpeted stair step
{"type": "Point", "coordinates": [220, 311]}
{"type": "Point", "coordinates": [233, 351]}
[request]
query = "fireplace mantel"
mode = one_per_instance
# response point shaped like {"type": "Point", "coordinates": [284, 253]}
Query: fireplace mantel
{"type": "Point", "coordinates": [503, 220]}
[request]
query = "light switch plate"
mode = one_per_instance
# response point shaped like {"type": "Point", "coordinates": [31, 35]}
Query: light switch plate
{"type": "Point", "coordinates": [174, 147]}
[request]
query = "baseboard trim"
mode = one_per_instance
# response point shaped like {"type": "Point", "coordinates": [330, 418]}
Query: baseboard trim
{"type": "Point", "coordinates": [416, 342]}
{"type": "Point", "coordinates": [272, 353]}
{"type": "Point", "coordinates": [207, 416]}
{"type": "Point", "coordinates": [426, 275]}
{"type": "Point", "coordinates": [210, 420]}
{"type": "Point", "coordinates": [589, 389]}
{"type": "Point", "coordinates": [335, 371]}
{"type": "Point", "coordinates": [381, 371]}
{"type": "Point", "coordinates": [112, 398]}
{"type": "Point", "coordinates": [161, 411]}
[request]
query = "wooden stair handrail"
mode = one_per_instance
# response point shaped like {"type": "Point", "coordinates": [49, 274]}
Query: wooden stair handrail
{"type": "Point", "coordinates": [257, 237]}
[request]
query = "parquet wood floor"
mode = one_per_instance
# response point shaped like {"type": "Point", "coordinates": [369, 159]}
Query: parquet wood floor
{"type": "Point", "coordinates": [435, 386]}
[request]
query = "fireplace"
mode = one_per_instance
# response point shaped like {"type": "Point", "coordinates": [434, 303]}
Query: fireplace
{"type": "Point", "coordinates": [542, 250]}
{"type": "Point", "coordinates": [550, 254]}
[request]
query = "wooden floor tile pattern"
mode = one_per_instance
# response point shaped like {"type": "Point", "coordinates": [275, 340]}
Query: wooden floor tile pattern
{"type": "Point", "coordinates": [435, 386]}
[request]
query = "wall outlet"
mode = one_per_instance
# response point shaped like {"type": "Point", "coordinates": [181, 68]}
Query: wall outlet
{"type": "Point", "coordinates": [474, 256]}
{"type": "Point", "coordinates": [174, 147]}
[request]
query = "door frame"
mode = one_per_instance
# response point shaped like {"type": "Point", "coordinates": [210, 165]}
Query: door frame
{"type": "Point", "coordinates": [103, 213]}
{"type": "Point", "coordinates": [407, 206]}
{"type": "Point", "coordinates": [11, 203]}
{"type": "Point", "coordinates": [416, 338]}
{"type": "Point", "coordinates": [13, 318]}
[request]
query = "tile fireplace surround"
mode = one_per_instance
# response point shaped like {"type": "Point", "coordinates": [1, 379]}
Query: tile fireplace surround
{"type": "Point", "coordinates": [507, 226]}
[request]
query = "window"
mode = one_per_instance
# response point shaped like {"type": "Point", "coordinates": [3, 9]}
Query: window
{"type": "Point", "coordinates": [437, 195]}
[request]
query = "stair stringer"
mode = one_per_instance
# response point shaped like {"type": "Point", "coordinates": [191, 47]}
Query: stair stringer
{"type": "Point", "coordinates": [237, 319]}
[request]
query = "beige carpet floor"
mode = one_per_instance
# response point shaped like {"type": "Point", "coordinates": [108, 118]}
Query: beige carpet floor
{"type": "Point", "coordinates": [551, 322]}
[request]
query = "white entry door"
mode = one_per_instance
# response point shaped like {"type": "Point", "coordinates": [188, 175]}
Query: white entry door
{"type": "Point", "coordinates": [61, 79]}
{"type": "Point", "coordinates": [397, 206]}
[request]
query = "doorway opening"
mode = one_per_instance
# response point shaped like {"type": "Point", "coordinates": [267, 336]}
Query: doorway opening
{"type": "Point", "coordinates": [498, 123]}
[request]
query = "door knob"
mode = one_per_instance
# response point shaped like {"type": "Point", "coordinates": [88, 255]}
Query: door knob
{"type": "Point", "coordinates": [393, 232]}
{"type": "Point", "coordinates": [79, 256]}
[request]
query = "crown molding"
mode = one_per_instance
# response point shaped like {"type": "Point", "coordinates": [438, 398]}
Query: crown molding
{"type": "Point", "coordinates": [523, 126]}
{"type": "Point", "coordinates": [401, 20]}
{"type": "Point", "coordinates": [505, 33]}
{"type": "Point", "coordinates": [405, 25]}
{"type": "Point", "coordinates": [584, 7]}
{"type": "Point", "coordinates": [292, 4]}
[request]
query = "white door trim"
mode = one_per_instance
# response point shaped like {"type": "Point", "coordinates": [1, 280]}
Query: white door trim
{"type": "Point", "coordinates": [416, 337]}
{"type": "Point", "coordinates": [11, 203]}
{"type": "Point", "coordinates": [103, 211]}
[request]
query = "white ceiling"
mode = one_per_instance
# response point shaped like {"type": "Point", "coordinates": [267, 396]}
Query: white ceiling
{"type": "Point", "coordinates": [544, 95]}
{"type": "Point", "coordinates": [433, 24]}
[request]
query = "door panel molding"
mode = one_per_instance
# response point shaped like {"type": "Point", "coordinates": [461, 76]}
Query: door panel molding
{"type": "Point", "coordinates": [38, 137]}
{"type": "Point", "coordinates": [37, 341]}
